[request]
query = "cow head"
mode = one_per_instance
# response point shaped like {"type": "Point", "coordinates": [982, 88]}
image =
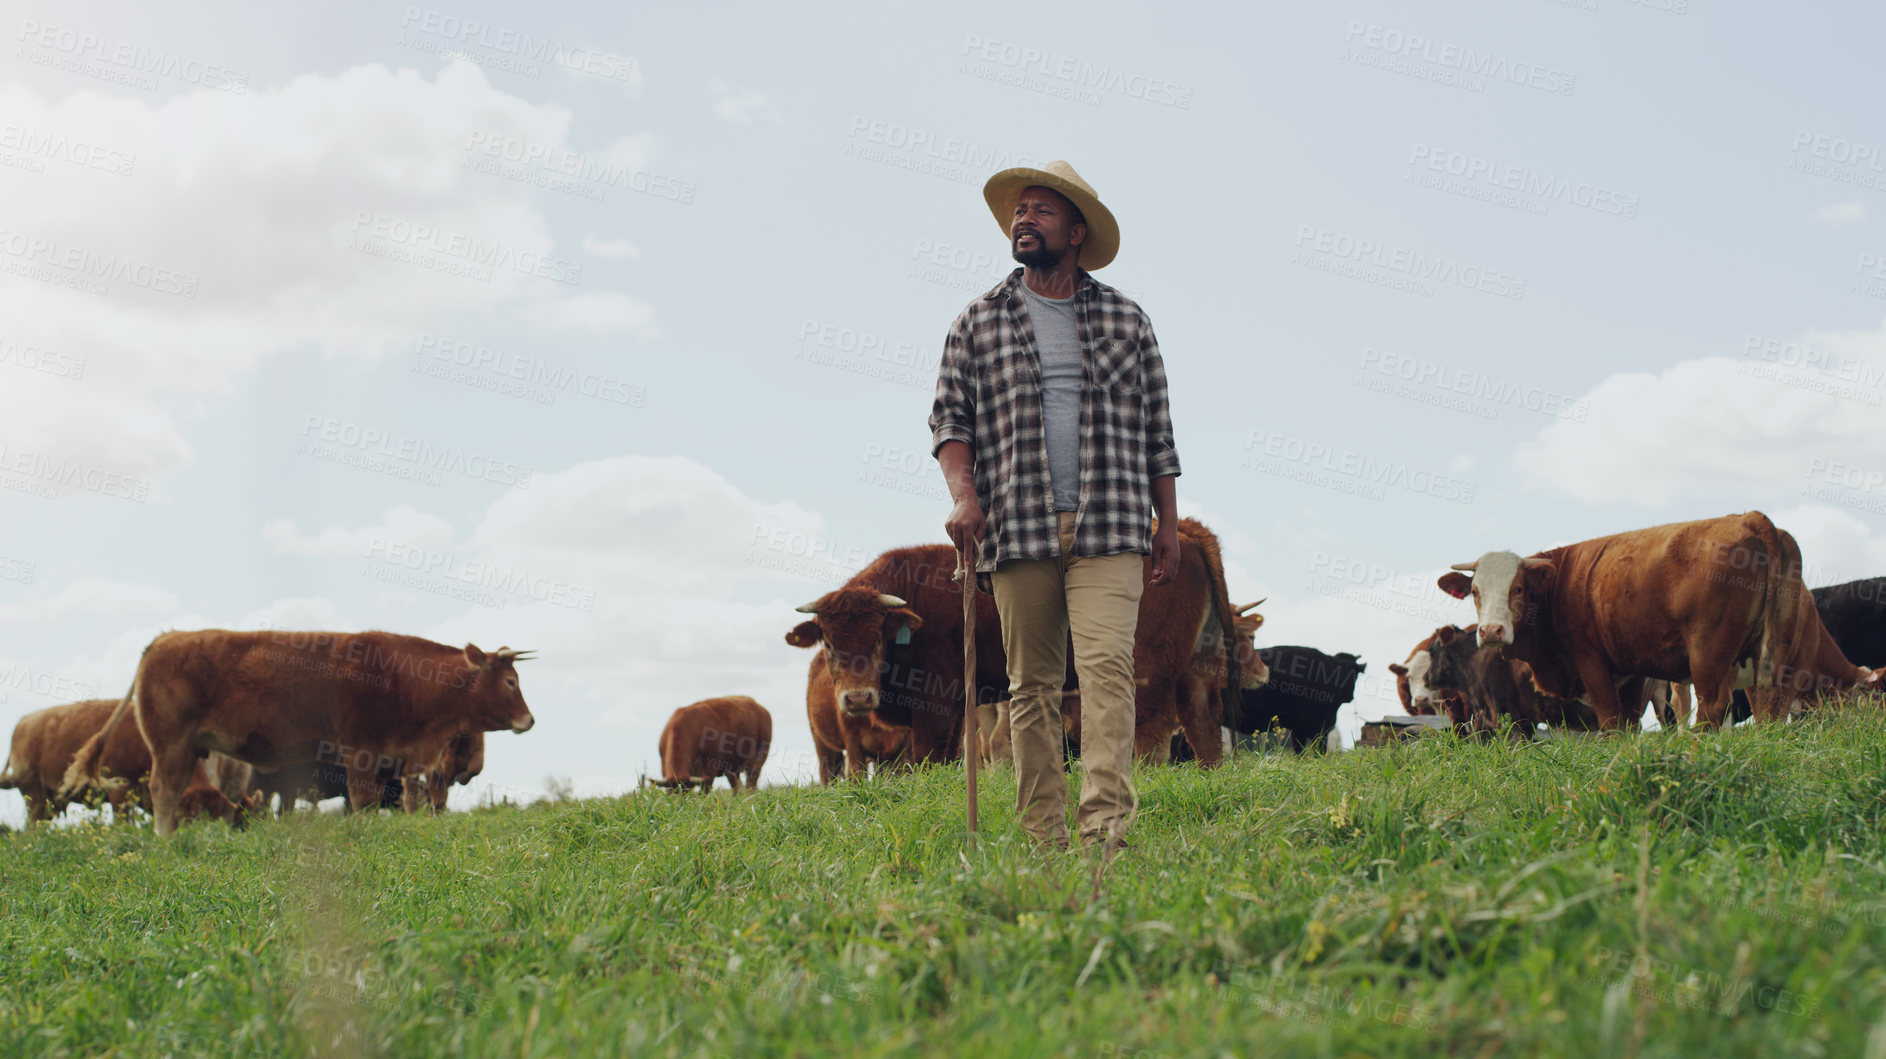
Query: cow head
{"type": "Point", "coordinates": [1504, 587]}
{"type": "Point", "coordinates": [467, 758]}
{"type": "Point", "coordinates": [495, 700]}
{"type": "Point", "coordinates": [1411, 682]}
{"type": "Point", "coordinates": [855, 624]}
{"type": "Point", "coordinates": [1253, 672]}
{"type": "Point", "coordinates": [1447, 658]}
{"type": "Point", "coordinates": [1350, 667]}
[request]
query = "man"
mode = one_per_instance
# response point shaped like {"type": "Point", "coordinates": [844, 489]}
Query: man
{"type": "Point", "coordinates": [1051, 426]}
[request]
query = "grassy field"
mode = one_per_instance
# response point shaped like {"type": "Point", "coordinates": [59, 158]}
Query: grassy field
{"type": "Point", "coordinates": [1662, 894]}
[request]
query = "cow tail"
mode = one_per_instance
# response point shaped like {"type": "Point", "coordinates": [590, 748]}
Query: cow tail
{"type": "Point", "coordinates": [83, 772]}
{"type": "Point", "coordinates": [1232, 694]}
{"type": "Point", "coordinates": [1778, 616]}
{"type": "Point", "coordinates": [9, 779]}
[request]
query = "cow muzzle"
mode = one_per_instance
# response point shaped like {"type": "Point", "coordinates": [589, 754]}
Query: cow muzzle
{"type": "Point", "coordinates": [858, 702]}
{"type": "Point", "coordinates": [1494, 633]}
{"type": "Point", "coordinates": [524, 724]}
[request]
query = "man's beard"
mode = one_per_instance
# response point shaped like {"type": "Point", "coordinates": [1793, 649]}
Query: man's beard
{"type": "Point", "coordinates": [1040, 257]}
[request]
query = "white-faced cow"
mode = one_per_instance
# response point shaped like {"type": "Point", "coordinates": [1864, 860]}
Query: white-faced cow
{"type": "Point", "coordinates": [1686, 601]}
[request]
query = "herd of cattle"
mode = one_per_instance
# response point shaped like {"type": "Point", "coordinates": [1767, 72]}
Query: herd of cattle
{"type": "Point", "coordinates": [1583, 636]}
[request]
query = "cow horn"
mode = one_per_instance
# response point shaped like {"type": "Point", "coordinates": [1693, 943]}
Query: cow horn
{"type": "Point", "coordinates": [1248, 606]}
{"type": "Point", "coordinates": [1532, 562]}
{"type": "Point", "coordinates": [1469, 567]}
{"type": "Point", "coordinates": [505, 654]}
{"type": "Point", "coordinates": [890, 601]}
{"type": "Point", "coordinates": [808, 608]}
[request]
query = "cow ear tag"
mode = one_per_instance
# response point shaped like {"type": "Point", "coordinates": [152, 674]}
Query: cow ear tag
{"type": "Point", "coordinates": [903, 635]}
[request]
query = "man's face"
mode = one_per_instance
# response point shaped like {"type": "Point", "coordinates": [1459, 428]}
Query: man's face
{"type": "Point", "coordinates": [1046, 226]}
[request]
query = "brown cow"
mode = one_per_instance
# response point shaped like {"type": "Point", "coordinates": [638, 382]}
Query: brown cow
{"type": "Point", "coordinates": [1685, 601]}
{"type": "Point", "coordinates": [46, 741]}
{"type": "Point", "coordinates": [264, 697]}
{"type": "Point", "coordinates": [846, 745]}
{"type": "Point", "coordinates": [1173, 690]}
{"type": "Point", "coordinates": [464, 759]}
{"type": "Point", "coordinates": [893, 639]}
{"type": "Point", "coordinates": [705, 740]}
{"type": "Point", "coordinates": [44, 744]}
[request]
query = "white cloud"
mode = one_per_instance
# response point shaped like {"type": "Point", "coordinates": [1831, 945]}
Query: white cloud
{"type": "Point", "coordinates": [401, 525]}
{"type": "Point", "coordinates": [280, 214]}
{"type": "Point", "coordinates": [1718, 426]}
{"type": "Point", "coordinates": [741, 106]}
{"type": "Point", "coordinates": [92, 596]}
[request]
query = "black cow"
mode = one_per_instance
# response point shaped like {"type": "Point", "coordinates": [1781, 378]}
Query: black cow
{"type": "Point", "coordinates": [1306, 689]}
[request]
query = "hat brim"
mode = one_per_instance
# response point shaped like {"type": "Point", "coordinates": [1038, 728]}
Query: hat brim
{"type": "Point", "coordinates": [1103, 233]}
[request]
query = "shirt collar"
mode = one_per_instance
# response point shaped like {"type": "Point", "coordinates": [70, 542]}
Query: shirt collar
{"type": "Point", "coordinates": [1011, 288]}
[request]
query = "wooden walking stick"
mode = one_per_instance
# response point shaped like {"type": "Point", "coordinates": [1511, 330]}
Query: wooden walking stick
{"type": "Point", "coordinates": [972, 750]}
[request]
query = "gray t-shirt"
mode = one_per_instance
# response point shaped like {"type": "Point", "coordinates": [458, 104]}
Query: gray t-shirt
{"type": "Point", "coordinates": [1058, 339]}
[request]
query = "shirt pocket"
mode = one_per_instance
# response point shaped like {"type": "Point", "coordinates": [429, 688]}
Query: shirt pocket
{"type": "Point", "coordinates": [1116, 365]}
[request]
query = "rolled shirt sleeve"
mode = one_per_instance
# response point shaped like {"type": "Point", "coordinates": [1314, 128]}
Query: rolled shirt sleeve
{"type": "Point", "coordinates": [1162, 456]}
{"type": "Point", "coordinates": [953, 414]}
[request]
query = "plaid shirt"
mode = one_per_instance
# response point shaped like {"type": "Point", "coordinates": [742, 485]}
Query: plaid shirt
{"type": "Point", "coordinates": [988, 396]}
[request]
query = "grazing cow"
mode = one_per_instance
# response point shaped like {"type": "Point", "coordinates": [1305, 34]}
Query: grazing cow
{"type": "Point", "coordinates": [263, 697]}
{"type": "Point", "coordinates": [44, 744]}
{"type": "Point", "coordinates": [705, 740]}
{"type": "Point", "coordinates": [1495, 686]}
{"type": "Point", "coordinates": [1686, 601]}
{"type": "Point", "coordinates": [1306, 689]}
{"type": "Point", "coordinates": [893, 646]}
{"type": "Point", "coordinates": [464, 759]}
{"type": "Point", "coordinates": [207, 796]}
{"type": "Point", "coordinates": [46, 741]}
{"type": "Point", "coordinates": [834, 731]}
{"type": "Point", "coordinates": [318, 771]}
{"type": "Point", "coordinates": [1418, 698]}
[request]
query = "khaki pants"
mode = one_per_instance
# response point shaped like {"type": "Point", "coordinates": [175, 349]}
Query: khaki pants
{"type": "Point", "coordinates": [1040, 602]}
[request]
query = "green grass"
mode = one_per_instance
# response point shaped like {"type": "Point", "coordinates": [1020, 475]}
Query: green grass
{"type": "Point", "coordinates": [1657, 895]}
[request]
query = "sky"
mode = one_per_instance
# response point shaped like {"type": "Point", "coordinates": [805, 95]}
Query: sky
{"type": "Point", "coordinates": [611, 330]}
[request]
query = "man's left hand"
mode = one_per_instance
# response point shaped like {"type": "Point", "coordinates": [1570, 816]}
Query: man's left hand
{"type": "Point", "coordinates": [1165, 553]}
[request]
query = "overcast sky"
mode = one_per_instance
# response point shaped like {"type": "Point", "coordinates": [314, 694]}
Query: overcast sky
{"type": "Point", "coordinates": [333, 315]}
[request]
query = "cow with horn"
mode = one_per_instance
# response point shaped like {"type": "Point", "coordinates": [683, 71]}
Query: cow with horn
{"type": "Point", "coordinates": [893, 638]}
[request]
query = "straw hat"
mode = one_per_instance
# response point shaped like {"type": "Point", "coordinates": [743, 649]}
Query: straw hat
{"type": "Point", "coordinates": [1103, 233]}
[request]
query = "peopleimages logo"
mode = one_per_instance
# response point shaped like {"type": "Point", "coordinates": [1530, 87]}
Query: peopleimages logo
{"type": "Point", "coordinates": [1522, 180]}
{"type": "Point", "coordinates": [504, 41]}
{"type": "Point", "coordinates": [1395, 43]}
{"type": "Point", "coordinates": [1077, 74]}
{"type": "Point", "coordinates": [1413, 264]}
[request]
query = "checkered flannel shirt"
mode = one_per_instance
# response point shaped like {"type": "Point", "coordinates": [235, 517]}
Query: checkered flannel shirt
{"type": "Point", "coordinates": [988, 396]}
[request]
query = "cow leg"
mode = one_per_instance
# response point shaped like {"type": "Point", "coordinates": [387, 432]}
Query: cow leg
{"type": "Point", "coordinates": [1631, 698]}
{"type": "Point", "coordinates": [831, 762]}
{"type": "Point", "coordinates": [1603, 690]}
{"type": "Point", "coordinates": [38, 804]}
{"type": "Point", "coordinates": [171, 772]}
{"type": "Point", "coordinates": [1201, 729]}
{"type": "Point", "coordinates": [364, 786]}
{"type": "Point", "coordinates": [707, 784]}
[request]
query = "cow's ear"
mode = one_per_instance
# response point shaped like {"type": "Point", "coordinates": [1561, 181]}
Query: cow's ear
{"type": "Point", "coordinates": [1456, 584]}
{"type": "Point", "coordinates": [1398, 669]}
{"type": "Point", "coordinates": [905, 616]}
{"type": "Point", "coordinates": [805, 634]}
{"type": "Point", "coordinates": [474, 657]}
{"type": "Point", "coordinates": [1446, 634]}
